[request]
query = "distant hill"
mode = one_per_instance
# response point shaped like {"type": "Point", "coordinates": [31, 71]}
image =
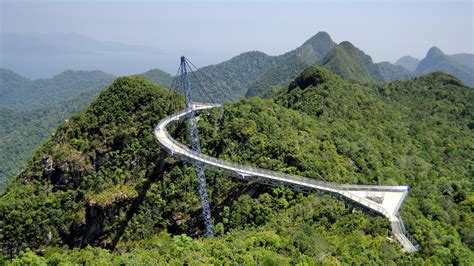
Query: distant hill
{"type": "Point", "coordinates": [31, 109]}
{"type": "Point", "coordinates": [464, 59]}
{"type": "Point", "coordinates": [344, 59]}
{"type": "Point", "coordinates": [232, 78]}
{"type": "Point", "coordinates": [312, 50]}
{"type": "Point", "coordinates": [392, 72]}
{"type": "Point", "coordinates": [349, 62]}
{"type": "Point", "coordinates": [20, 92]}
{"type": "Point", "coordinates": [436, 60]}
{"type": "Point", "coordinates": [158, 76]}
{"type": "Point", "coordinates": [408, 62]}
{"type": "Point", "coordinates": [352, 63]}
{"type": "Point", "coordinates": [13, 86]}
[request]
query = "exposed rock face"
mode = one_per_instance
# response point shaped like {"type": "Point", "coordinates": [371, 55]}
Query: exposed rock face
{"type": "Point", "coordinates": [98, 219]}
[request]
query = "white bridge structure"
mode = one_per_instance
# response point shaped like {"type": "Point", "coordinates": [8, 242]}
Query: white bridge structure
{"type": "Point", "coordinates": [383, 200]}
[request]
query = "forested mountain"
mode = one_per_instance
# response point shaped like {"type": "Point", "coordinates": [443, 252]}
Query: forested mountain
{"type": "Point", "coordinates": [408, 62]}
{"type": "Point", "coordinates": [225, 81]}
{"type": "Point", "coordinates": [29, 128]}
{"type": "Point", "coordinates": [348, 61]}
{"type": "Point", "coordinates": [352, 63]}
{"type": "Point", "coordinates": [250, 73]}
{"type": "Point", "coordinates": [12, 83]}
{"type": "Point", "coordinates": [30, 110]}
{"type": "Point", "coordinates": [102, 180]}
{"type": "Point", "coordinates": [231, 78]}
{"type": "Point", "coordinates": [344, 59]}
{"type": "Point", "coordinates": [292, 63]}
{"type": "Point", "coordinates": [436, 60]}
{"type": "Point", "coordinates": [257, 74]}
{"type": "Point", "coordinates": [392, 72]}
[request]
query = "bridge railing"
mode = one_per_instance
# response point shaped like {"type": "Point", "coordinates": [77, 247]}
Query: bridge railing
{"type": "Point", "coordinates": [404, 231]}
{"type": "Point", "coordinates": [374, 187]}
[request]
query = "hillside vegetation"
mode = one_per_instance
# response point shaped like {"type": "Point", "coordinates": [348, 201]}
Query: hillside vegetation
{"type": "Point", "coordinates": [101, 182]}
{"type": "Point", "coordinates": [234, 76]}
{"type": "Point", "coordinates": [31, 109]}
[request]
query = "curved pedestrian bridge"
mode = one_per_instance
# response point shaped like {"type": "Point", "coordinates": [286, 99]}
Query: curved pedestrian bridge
{"type": "Point", "coordinates": [384, 200]}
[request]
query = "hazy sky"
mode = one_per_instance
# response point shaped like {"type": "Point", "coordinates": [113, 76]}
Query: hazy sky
{"type": "Point", "coordinates": [218, 30]}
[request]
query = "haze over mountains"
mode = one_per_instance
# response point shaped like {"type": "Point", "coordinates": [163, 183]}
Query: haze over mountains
{"type": "Point", "coordinates": [44, 55]}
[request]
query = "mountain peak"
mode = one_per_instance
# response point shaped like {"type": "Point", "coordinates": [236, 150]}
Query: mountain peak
{"type": "Point", "coordinates": [408, 62]}
{"type": "Point", "coordinates": [320, 40]}
{"type": "Point", "coordinates": [320, 36]}
{"type": "Point", "coordinates": [319, 44]}
{"type": "Point", "coordinates": [434, 52]}
{"type": "Point", "coordinates": [436, 60]}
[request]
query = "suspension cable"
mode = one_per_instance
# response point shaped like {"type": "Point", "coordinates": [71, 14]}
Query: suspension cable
{"type": "Point", "coordinates": [202, 73]}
